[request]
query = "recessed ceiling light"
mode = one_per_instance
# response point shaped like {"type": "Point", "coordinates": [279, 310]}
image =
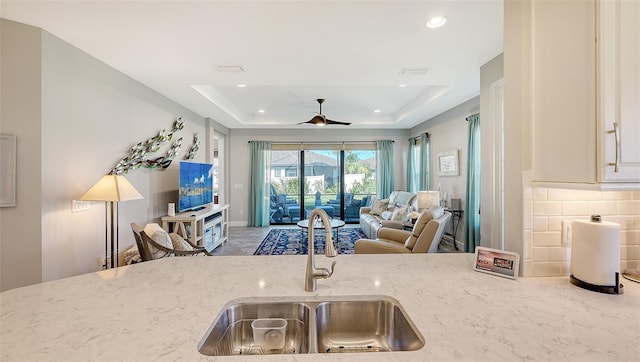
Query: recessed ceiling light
{"type": "Point", "coordinates": [377, 111]}
{"type": "Point", "coordinates": [260, 110]}
{"type": "Point", "coordinates": [436, 22]}
{"type": "Point", "coordinates": [229, 68]}
{"type": "Point", "coordinates": [413, 71]}
{"type": "Point", "coordinates": [402, 86]}
{"type": "Point", "coordinates": [241, 85]}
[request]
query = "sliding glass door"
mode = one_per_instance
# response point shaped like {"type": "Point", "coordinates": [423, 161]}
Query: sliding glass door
{"type": "Point", "coordinates": [285, 187]}
{"type": "Point", "coordinates": [322, 181]}
{"type": "Point", "coordinates": [337, 181]}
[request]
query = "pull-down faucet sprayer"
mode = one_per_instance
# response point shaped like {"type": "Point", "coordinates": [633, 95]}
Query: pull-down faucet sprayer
{"type": "Point", "coordinates": [312, 274]}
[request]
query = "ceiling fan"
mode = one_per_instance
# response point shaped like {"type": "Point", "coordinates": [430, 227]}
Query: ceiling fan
{"type": "Point", "coordinates": [320, 120]}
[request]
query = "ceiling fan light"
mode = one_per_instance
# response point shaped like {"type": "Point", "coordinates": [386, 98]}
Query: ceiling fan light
{"type": "Point", "coordinates": [318, 121]}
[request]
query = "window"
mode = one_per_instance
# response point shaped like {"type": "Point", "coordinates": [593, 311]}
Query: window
{"type": "Point", "coordinates": [337, 180]}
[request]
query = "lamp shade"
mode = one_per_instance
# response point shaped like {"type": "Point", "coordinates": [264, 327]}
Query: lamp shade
{"type": "Point", "coordinates": [111, 188]}
{"type": "Point", "coordinates": [428, 198]}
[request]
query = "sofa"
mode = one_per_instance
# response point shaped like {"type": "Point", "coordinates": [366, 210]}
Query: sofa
{"type": "Point", "coordinates": [389, 212]}
{"type": "Point", "coordinates": [424, 237]}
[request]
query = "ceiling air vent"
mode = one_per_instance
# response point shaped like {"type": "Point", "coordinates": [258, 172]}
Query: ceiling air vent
{"type": "Point", "coordinates": [229, 68]}
{"type": "Point", "coordinates": [413, 71]}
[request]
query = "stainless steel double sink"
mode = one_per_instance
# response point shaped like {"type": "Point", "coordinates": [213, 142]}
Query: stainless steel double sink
{"type": "Point", "coordinates": [314, 325]}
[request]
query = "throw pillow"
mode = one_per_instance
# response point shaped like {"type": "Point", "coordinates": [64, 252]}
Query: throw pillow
{"type": "Point", "coordinates": [386, 215]}
{"type": "Point", "coordinates": [399, 214]}
{"type": "Point", "coordinates": [435, 211]}
{"type": "Point", "coordinates": [160, 236]}
{"type": "Point", "coordinates": [179, 243]}
{"type": "Point", "coordinates": [378, 206]}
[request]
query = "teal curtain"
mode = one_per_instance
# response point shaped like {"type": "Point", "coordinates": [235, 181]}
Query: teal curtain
{"type": "Point", "coordinates": [412, 182]}
{"type": "Point", "coordinates": [425, 163]}
{"type": "Point", "coordinates": [472, 210]}
{"type": "Point", "coordinates": [259, 183]}
{"type": "Point", "coordinates": [385, 168]}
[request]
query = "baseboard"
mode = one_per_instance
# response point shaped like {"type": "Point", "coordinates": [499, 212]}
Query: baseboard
{"type": "Point", "coordinates": [238, 223]}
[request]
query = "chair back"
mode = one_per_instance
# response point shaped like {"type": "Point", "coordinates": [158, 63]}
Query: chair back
{"type": "Point", "coordinates": [140, 236]}
{"type": "Point", "coordinates": [428, 239]}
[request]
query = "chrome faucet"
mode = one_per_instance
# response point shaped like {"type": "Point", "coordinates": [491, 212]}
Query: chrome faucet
{"type": "Point", "coordinates": [312, 274]}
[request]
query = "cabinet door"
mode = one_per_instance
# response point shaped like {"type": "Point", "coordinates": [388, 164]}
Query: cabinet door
{"type": "Point", "coordinates": [564, 91]}
{"type": "Point", "coordinates": [619, 90]}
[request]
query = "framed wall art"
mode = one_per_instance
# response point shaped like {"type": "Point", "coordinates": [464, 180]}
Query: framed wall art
{"type": "Point", "coordinates": [448, 163]}
{"type": "Point", "coordinates": [7, 170]}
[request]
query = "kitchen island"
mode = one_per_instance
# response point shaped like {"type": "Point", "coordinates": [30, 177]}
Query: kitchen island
{"type": "Point", "coordinates": [160, 310]}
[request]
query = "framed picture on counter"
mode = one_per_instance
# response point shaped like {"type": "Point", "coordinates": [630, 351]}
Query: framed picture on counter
{"type": "Point", "coordinates": [497, 262]}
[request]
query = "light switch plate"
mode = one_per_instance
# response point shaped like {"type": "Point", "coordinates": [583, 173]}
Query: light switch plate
{"type": "Point", "coordinates": [566, 232]}
{"type": "Point", "coordinates": [77, 206]}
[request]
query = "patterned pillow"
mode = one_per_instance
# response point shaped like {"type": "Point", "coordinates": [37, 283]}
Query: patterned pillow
{"type": "Point", "coordinates": [160, 236]}
{"type": "Point", "coordinates": [386, 215]}
{"type": "Point", "coordinates": [378, 206]}
{"type": "Point", "coordinates": [179, 243]}
{"type": "Point", "coordinates": [400, 214]}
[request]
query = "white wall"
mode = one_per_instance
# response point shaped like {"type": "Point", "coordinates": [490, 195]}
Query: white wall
{"type": "Point", "coordinates": [490, 72]}
{"type": "Point", "coordinates": [447, 131]}
{"type": "Point", "coordinates": [91, 116]}
{"type": "Point", "coordinates": [239, 156]}
{"type": "Point", "coordinates": [20, 230]}
{"type": "Point", "coordinates": [517, 116]}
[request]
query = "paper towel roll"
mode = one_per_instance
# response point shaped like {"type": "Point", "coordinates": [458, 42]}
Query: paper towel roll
{"type": "Point", "coordinates": [595, 251]}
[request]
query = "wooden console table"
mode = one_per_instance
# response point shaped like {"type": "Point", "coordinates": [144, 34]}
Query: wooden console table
{"type": "Point", "coordinates": [208, 227]}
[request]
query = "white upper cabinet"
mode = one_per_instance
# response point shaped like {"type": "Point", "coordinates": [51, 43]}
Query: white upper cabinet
{"type": "Point", "coordinates": [619, 90]}
{"type": "Point", "coordinates": [586, 78]}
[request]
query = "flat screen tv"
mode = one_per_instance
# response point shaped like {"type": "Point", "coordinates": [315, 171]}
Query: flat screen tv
{"type": "Point", "coordinates": [196, 186]}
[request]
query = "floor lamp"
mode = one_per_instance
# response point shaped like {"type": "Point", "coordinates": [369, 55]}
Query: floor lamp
{"type": "Point", "coordinates": [111, 189]}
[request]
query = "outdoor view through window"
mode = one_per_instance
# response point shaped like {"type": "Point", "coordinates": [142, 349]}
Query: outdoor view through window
{"type": "Point", "coordinates": [323, 186]}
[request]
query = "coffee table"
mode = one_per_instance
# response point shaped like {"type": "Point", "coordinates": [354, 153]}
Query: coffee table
{"type": "Point", "coordinates": [335, 225]}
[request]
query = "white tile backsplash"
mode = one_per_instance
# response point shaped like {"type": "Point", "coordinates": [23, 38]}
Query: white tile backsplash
{"type": "Point", "coordinates": [631, 207]}
{"type": "Point", "coordinates": [544, 255]}
{"type": "Point", "coordinates": [540, 224]}
{"type": "Point", "coordinates": [546, 238]}
{"type": "Point", "coordinates": [547, 208]}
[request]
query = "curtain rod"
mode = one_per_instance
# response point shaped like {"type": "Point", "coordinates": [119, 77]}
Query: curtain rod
{"type": "Point", "coordinates": [467, 119]}
{"type": "Point", "coordinates": [319, 142]}
{"type": "Point", "coordinates": [418, 136]}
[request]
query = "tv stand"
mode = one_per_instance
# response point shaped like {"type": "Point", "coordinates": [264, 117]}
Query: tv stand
{"type": "Point", "coordinates": [196, 209]}
{"type": "Point", "coordinates": [206, 226]}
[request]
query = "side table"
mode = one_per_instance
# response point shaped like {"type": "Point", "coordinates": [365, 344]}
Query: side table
{"type": "Point", "coordinates": [407, 225]}
{"type": "Point", "coordinates": [456, 216]}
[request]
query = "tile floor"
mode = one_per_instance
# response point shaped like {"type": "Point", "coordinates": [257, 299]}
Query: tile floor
{"type": "Point", "coordinates": [245, 240]}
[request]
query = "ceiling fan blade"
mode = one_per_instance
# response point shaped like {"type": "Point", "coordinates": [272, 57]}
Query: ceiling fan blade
{"type": "Point", "coordinates": [338, 122]}
{"type": "Point", "coordinates": [320, 120]}
{"type": "Point", "coordinates": [317, 120]}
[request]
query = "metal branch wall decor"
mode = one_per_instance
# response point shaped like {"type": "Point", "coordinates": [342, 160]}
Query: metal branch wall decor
{"type": "Point", "coordinates": [194, 148]}
{"type": "Point", "coordinates": [138, 154]}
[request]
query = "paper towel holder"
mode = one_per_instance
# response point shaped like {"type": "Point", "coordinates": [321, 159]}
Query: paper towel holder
{"type": "Point", "coordinates": [614, 289]}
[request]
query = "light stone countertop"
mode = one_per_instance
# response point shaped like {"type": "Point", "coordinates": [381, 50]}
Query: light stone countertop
{"type": "Point", "coordinates": [160, 310]}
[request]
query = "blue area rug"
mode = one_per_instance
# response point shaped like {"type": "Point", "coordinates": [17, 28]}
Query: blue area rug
{"type": "Point", "coordinates": [291, 242]}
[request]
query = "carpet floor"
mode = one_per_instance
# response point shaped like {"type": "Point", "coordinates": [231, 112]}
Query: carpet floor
{"type": "Point", "coordinates": [294, 241]}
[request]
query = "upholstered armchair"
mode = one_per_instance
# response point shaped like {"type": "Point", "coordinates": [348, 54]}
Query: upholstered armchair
{"type": "Point", "coordinates": [424, 238]}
